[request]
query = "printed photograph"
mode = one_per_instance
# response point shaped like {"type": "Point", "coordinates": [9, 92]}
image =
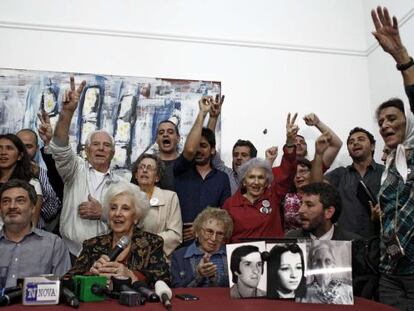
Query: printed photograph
{"type": "Point", "coordinates": [246, 269]}
{"type": "Point", "coordinates": [329, 273]}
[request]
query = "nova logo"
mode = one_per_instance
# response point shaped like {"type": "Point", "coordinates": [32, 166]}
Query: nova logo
{"type": "Point", "coordinates": [46, 292]}
{"type": "Point", "coordinates": [31, 292]}
{"type": "Point", "coordinates": [41, 292]}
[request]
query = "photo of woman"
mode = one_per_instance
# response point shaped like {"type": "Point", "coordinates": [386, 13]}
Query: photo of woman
{"type": "Point", "coordinates": [329, 273]}
{"type": "Point", "coordinates": [285, 273]}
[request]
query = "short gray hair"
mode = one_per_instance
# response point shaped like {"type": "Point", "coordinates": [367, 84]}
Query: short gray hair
{"type": "Point", "coordinates": [255, 163]}
{"type": "Point", "coordinates": [217, 214]}
{"type": "Point", "coordinates": [138, 197]}
{"type": "Point", "coordinates": [89, 137]}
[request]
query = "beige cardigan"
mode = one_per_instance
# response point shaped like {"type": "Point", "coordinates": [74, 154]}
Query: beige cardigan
{"type": "Point", "coordinates": [164, 219]}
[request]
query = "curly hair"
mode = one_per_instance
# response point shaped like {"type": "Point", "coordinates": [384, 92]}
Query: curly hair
{"type": "Point", "coordinates": [217, 214]}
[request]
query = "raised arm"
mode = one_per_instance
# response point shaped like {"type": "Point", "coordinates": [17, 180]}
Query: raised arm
{"type": "Point", "coordinates": [335, 142]}
{"type": "Point", "coordinates": [215, 112]}
{"type": "Point", "coordinates": [193, 139]}
{"type": "Point", "coordinates": [321, 145]}
{"type": "Point", "coordinates": [70, 103]}
{"type": "Point", "coordinates": [388, 36]}
{"type": "Point", "coordinates": [291, 132]}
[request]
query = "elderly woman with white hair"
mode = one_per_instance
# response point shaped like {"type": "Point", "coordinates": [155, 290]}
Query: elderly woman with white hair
{"type": "Point", "coordinates": [142, 259]}
{"type": "Point", "coordinates": [255, 207]}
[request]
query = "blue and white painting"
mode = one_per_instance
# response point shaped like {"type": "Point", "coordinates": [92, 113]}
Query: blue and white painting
{"type": "Point", "coordinates": [129, 108]}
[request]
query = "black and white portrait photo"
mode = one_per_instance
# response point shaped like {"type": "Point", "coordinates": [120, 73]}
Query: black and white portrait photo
{"type": "Point", "coordinates": [246, 267]}
{"type": "Point", "coordinates": [329, 273]}
{"type": "Point", "coordinates": [286, 271]}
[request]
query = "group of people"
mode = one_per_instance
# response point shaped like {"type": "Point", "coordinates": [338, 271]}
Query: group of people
{"type": "Point", "coordinates": [180, 209]}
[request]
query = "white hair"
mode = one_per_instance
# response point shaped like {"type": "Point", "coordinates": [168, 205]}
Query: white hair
{"type": "Point", "coordinates": [255, 163]}
{"type": "Point", "coordinates": [89, 137]}
{"type": "Point", "coordinates": [138, 197]}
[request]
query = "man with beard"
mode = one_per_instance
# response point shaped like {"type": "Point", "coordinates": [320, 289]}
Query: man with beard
{"type": "Point", "coordinates": [25, 250]}
{"type": "Point", "coordinates": [168, 138]}
{"type": "Point", "coordinates": [355, 217]}
{"type": "Point", "coordinates": [197, 183]}
{"type": "Point", "coordinates": [320, 209]}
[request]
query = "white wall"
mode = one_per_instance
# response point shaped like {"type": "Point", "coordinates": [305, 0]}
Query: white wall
{"type": "Point", "coordinates": [272, 56]}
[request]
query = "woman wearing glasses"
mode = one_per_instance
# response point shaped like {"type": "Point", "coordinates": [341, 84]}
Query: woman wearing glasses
{"type": "Point", "coordinates": [164, 215]}
{"type": "Point", "coordinates": [204, 262]}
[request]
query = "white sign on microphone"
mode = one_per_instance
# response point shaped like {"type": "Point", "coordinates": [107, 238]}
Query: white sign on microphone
{"type": "Point", "coordinates": [41, 290]}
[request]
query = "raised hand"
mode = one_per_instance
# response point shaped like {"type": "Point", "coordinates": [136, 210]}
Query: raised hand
{"type": "Point", "coordinates": [386, 31]}
{"type": "Point", "coordinates": [45, 128]}
{"type": "Point", "coordinates": [216, 106]}
{"type": "Point", "coordinates": [322, 143]}
{"type": "Point", "coordinates": [271, 154]}
{"type": "Point", "coordinates": [311, 119]}
{"type": "Point", "coordinates": [291, 129]}
{"type": "Point", "coordinates": [205, 104]}
{"type": "Point", "coordinates": [71, 97]}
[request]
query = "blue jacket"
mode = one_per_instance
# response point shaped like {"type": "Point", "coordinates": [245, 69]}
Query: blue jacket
{"type": "Point", "coordinates": [184, 263]}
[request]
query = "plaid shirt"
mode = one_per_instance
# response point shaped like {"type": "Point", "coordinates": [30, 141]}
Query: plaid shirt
{"type": "Point", "coordinates": [404, 226]}
{"type": "Point", "coordinates": [392, 188]}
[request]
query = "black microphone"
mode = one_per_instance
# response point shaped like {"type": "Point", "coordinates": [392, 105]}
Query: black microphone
{"type": "Point", "coordinates": [165, 294]}
{"type": "Point", "coordinates": [127, 295]}
{"type": "Point", "coordinates": [67, 287]}
{"type": "Point", "coordinates": [143, 288]}
{"type": "Point", "coordinates": [100, 290]}
{"type": "Point", "coordinates": [119, 247]}
{"type": "Point", "coordinates": [11, 297]}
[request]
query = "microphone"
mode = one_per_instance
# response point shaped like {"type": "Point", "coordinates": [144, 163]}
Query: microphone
{"type": "Point", "coordinates": [165, 294]}
{"type": "Point", "coordinates": [119, 247]}
{"type": "Point", "coordinates": [66, 293]}
{"type": "Point", "coordinates": [11, 297]}
{"type": "Point", "coordinates": [127, 295]}
{"type": "Point", "coordinates": [143, 288]}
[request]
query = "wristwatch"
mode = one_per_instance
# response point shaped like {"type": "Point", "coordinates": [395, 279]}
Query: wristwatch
{"type": "Point", "coordinates": [402, 67]}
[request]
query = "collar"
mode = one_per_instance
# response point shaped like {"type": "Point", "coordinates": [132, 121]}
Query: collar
{"type": "Point", "coordinates": [327, 236]}
{"type": "Point", "coordinates": [157, 198]}
{"type": "Point", "coordinates": [373, 165]}
{"type": "Point", "coordinates": [34, 231]}
{"type": "Point", "coordinates": [241, 200]}
{"type": "Point", "coordinates": [90, 167]}
{"type": "Point", "coordinates": [194, 250]}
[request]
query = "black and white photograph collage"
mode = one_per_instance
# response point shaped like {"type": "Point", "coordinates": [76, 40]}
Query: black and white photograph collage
{"type": "Point", "coordinates": [306, 271]}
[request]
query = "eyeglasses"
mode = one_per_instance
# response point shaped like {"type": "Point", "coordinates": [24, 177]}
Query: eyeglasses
{"type": "Point", "coordinates": [148, 167]}
{"type": "Point", "coordinates": [209, 233]}
{"type": "Point", "coordinates": [302, 172]}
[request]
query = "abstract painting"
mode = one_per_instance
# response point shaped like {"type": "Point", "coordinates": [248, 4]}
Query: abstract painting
{"type": "Point", "coordinates": [129, 108]}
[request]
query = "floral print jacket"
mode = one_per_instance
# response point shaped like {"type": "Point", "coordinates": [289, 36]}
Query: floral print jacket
{"type": "Point", "coordinates": [146, 255]}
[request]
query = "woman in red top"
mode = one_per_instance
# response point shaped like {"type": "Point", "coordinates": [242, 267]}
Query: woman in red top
{"type": "Point", "coordinates": [255, 207]}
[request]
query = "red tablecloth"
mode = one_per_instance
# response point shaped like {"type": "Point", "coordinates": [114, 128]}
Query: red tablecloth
{"type": "Point", "coordinates": [216, 299]}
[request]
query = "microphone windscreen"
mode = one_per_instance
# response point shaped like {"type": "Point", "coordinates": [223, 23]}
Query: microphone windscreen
{"type": "Point", "coordinates": [119, 247]}
{"type": "Point", "coordinates": [123, 241]}
{"type": "Point", "coordinates": [161, 288]}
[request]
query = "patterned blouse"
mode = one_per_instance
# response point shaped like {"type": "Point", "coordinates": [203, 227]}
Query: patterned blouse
{"type": "Point", "coordinates": [146, 255]}
{"type": "Point", "coordinates": [291, 211]}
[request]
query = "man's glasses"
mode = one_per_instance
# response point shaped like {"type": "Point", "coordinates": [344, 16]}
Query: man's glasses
{"type": "Point", "coordinates": [209, 233]}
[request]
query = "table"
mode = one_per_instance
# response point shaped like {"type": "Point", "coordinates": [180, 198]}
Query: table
{"type": "Point", "coordinates": [215, 299]}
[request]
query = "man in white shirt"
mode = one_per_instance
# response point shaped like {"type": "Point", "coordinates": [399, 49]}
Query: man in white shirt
{"type": "Point", "coordinates": [85, 181]}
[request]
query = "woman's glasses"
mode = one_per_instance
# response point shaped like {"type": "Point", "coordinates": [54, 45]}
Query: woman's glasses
{"type": "Point", "coordinates": [209, 233]}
